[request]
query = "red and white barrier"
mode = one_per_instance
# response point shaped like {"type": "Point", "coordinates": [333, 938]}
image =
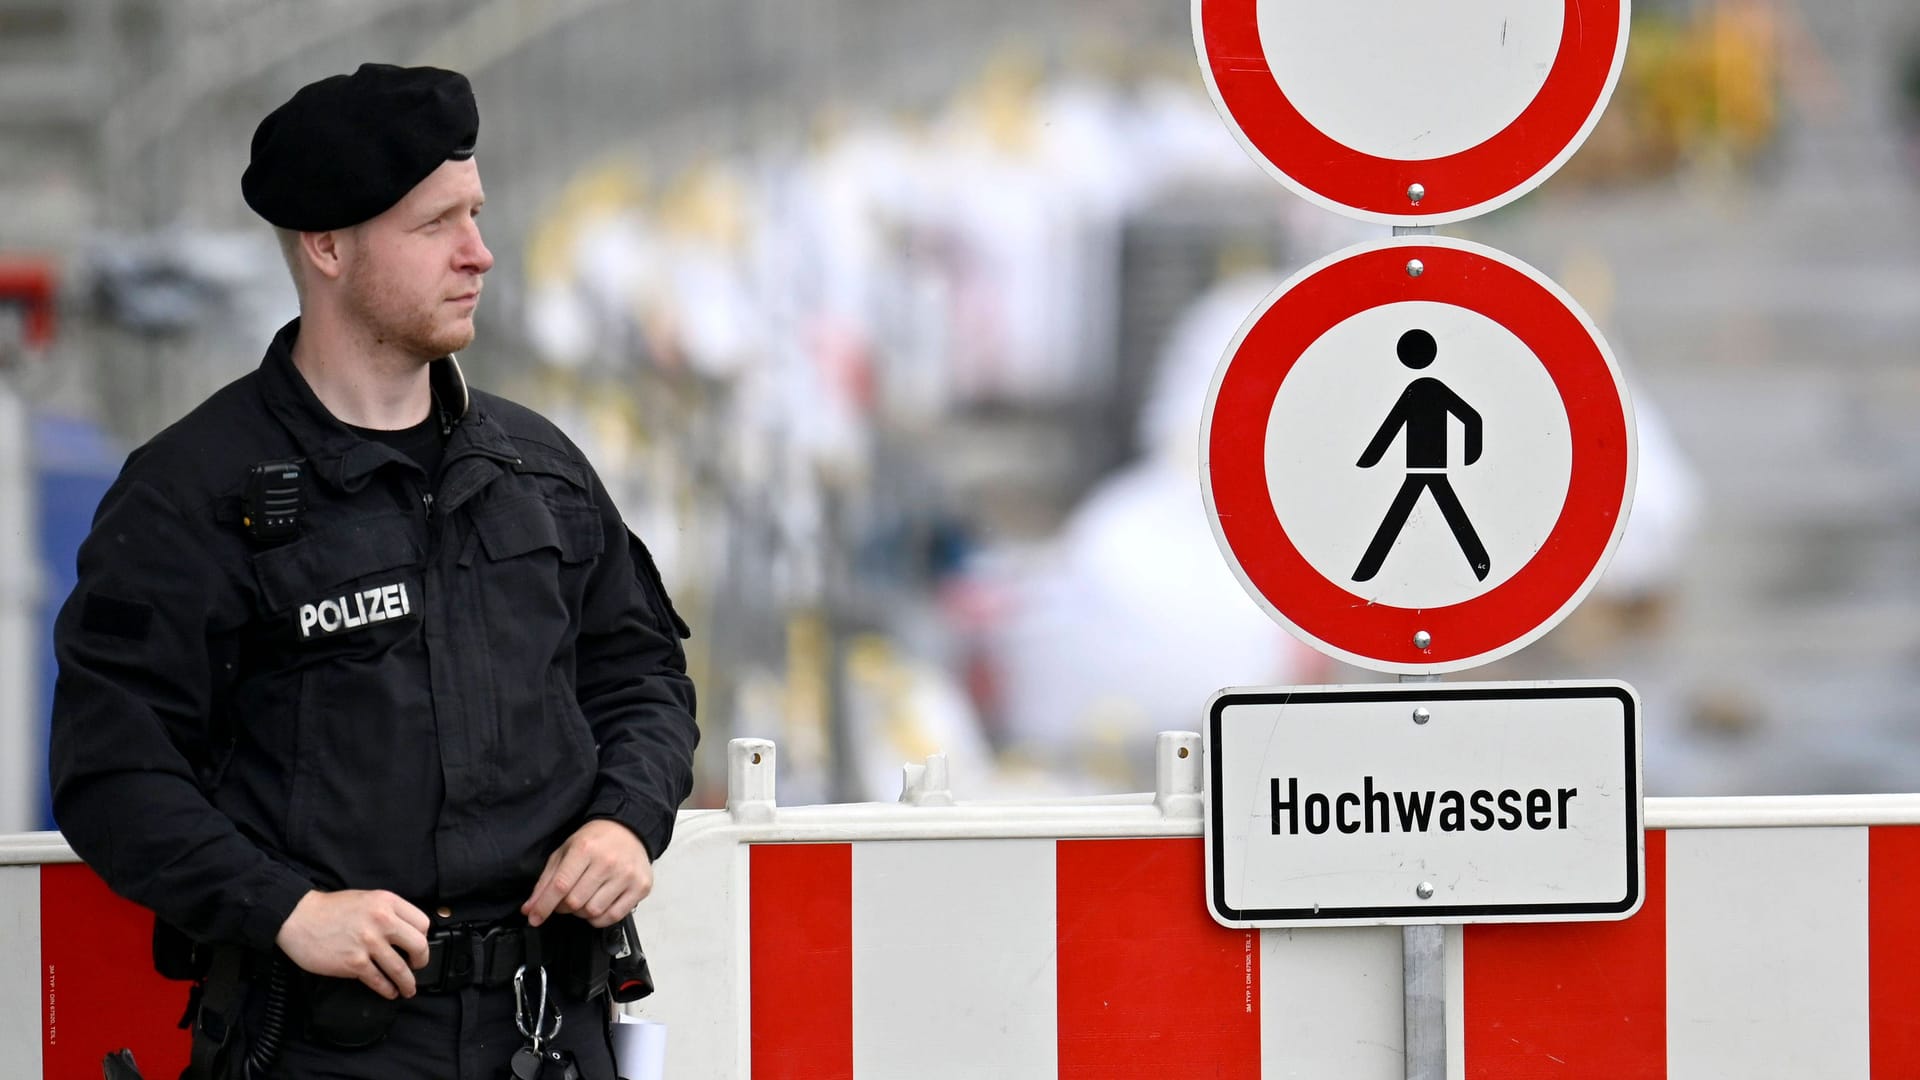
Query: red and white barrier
{"type": "Point", "coordinates": [1761, 954]}
{"type": "Point", "coordinates": [1779, 939]}
{"type": "Point", "coordinates": [76, 971]}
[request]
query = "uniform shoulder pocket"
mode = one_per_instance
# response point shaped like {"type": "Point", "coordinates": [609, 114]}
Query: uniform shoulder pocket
{"type": "Point", "coordinates": [649, 574]}
{"type": "Point", "coordinates": [333, 556]}
{"type": "Point", "coordinates": [537, 459]}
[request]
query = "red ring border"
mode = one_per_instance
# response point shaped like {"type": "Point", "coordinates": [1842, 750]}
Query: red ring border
{"type": "Point", "coordinates": [1330, 615]}
{"type": "Point", "coordinates": [1511, 160]}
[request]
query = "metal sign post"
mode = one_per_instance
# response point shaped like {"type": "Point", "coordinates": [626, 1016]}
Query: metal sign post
{"type": "Point", "coordinates": [1423, 968]}
{"type": "Point", "coordinates": [1423, 948]}
{"type": "Point", "coordinates": [1423, 957]}
{"type": "Point", "coordinates": [1342, 392]}
{"type": "Point", "coordinates": [1423, 805]}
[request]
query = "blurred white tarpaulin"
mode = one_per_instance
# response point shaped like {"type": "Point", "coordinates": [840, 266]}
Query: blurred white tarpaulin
{"type": "Point", "coordinates": [1131, 619]}
{"type": "Point", "coordinates": [1665, 514]}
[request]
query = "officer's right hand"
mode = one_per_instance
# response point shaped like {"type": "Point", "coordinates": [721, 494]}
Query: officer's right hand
{"type": "Point", "coordinates": [358, 934]}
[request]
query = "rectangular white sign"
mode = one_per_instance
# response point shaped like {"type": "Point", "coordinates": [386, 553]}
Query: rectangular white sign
{"type": "Point", "coordinates": [1423, 803]}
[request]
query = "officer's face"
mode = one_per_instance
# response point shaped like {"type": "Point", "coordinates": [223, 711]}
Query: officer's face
{"type": "Point", "coordinates": [413, 276]}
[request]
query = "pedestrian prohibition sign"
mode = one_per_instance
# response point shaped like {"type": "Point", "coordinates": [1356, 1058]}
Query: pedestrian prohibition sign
{"type": "Point", "coordinates": [1410, 112]}
{"type": "Point", "coordinates": [1418, 455]}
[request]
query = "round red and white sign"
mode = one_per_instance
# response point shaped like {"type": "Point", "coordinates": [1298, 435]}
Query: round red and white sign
{"type": "Point", "coordinates": [1418, 455]}
{"type": "Point", "coordinates": [1409, 112]}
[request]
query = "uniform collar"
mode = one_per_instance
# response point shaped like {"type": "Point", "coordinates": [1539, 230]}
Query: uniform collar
{"type": "Point", "coordinates": [341, 456]}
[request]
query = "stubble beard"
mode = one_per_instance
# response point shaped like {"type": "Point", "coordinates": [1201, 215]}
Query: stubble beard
{"type": "Point", "coordinates": [391, 321]}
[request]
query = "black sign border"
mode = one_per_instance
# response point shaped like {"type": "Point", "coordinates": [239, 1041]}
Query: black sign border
{"type": "Point", "coordinates": [1216, 840]}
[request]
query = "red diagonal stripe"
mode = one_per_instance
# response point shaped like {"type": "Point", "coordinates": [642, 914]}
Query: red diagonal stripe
{"type": "Point", "coordinates": [801, 917]}
{"type": "Point", "coordinates": [1571, 1001]}
{"type": "Point", "coordinates": [1150, 987]}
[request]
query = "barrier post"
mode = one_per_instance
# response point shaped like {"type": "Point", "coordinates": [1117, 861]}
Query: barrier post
{"type": "Point", "coordinates": [1177, 779]}
{"type": "Point", "coordinates": [750, 774]}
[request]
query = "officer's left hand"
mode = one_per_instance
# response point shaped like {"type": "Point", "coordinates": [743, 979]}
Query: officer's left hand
{"type": "Point", "coordinates": [601, 874]}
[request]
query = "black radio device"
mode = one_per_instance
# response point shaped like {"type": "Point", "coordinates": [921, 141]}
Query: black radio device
{"type": "Point", "coordinates": [276, 494]}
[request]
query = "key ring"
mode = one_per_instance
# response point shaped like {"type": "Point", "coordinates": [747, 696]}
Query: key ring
{"type": "Point", "coordinates": [539, 1035]}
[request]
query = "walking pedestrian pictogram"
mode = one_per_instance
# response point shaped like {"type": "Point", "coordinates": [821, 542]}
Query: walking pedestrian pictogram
{"type": "Point", "coordinates": [1422, 410]}
{"type": "Point", "coordinates": [1515, 421]}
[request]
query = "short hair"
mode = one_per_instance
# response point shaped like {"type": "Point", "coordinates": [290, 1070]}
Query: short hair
{"type": "Point", "coordinates": [295, 258]}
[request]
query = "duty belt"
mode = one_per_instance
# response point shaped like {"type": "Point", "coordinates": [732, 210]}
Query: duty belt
{"type": "Point", "coordinates": [463, 956]}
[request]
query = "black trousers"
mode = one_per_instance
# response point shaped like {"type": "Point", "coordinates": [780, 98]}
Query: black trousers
{"type": "Point", "coordinates": [469, 1035]}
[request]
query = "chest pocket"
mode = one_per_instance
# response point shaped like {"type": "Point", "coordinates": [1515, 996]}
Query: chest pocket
{"type": "Point", "coordinates": [524, 577]}
{"type": "Point", "coordinates": [521, 526]}
{"type": "Point", "coordinates": [343, 577]}
{"type": "Point", "coordinates": [545, 504]}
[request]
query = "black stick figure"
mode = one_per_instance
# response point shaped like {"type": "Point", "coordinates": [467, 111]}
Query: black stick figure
{"type": "Point", "coordinates": [1423, 409]}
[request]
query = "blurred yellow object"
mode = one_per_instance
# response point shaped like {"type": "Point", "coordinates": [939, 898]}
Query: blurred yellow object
{"type": "Point", "coordinates": [876, 669]}
{"type": "Point", "coordinates": [1742, 46]}
{"type": "Point", "coordinates": [707, 202]}
{"type": "Point", "coordinates": [596, 193]}
{"type": "Point", "coordinates": [1701, 89]}
{"type": "Point", "coordinates": [804, 739]}
{"type": "Point", "coordinates": [1002, 101]}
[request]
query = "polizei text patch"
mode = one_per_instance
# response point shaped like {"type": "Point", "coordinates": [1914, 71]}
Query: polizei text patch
{"type": "Point", "coordinates": [353, 610]}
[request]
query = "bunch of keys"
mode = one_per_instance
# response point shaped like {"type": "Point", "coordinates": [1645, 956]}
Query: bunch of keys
{"type": "Point", "coordinates": [535, 1061]}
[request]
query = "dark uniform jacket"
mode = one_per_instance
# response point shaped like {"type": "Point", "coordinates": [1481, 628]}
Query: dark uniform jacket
{"type": "Point", "coordinates": [426, 690]}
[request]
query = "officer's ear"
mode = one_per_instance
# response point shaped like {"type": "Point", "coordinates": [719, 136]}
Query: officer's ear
{"type": "Point", "coordinates": [325, 252]}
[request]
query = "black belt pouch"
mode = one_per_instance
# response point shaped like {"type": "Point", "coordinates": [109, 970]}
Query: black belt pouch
{"type": "Point", "coordinates": [345, 1014]}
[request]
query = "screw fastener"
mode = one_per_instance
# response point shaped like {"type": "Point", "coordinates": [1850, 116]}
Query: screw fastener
{"type": "Point", "coordinates": [1416, 192]}
{"type": "Point", "coordinates": [1421, 716]}
{"type": "Point", "coordinates": [1422, 639]}
{"type": "Point", "coordinates": [1425, 891]}
{"type": "Point", "coordinates": [1415, 268]}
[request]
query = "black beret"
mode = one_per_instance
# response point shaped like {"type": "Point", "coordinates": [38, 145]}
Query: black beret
{"type": "Point", "coordinates": [346, 148]}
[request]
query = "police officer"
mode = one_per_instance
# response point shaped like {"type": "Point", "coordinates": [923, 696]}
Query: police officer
{"type": "Point", "coordinates": [365, 688]}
